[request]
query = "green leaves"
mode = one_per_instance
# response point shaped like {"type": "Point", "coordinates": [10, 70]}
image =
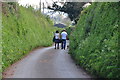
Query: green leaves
{"type": "Point", "coordinates": [23, 33]}
{"type": "Point", "coordinates": [95, 41]}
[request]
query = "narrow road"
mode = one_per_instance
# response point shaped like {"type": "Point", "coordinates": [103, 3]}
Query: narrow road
{"type": "Point", "coordinates": [46, 63]}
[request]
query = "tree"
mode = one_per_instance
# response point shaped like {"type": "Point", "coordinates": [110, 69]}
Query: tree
{"type": "Point", "coordinates": [73, 9]}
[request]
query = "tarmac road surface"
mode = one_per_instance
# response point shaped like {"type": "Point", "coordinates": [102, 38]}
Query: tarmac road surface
{"type": "Point", "coordinates": [46, 63]}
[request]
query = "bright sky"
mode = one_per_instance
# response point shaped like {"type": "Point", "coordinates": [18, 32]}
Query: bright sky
{"type": "Point", "coordinates": [46, 2]}
{"type": "Point", "coordinates": [36, 2]}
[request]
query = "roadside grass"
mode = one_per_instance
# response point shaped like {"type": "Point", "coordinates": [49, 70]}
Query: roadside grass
{"type": "Point", "coordinates": [70, 30]}
{"type": "Point", "coordinates": [23, 30]}
{"type": "Point", "coordinates": [94, 42]}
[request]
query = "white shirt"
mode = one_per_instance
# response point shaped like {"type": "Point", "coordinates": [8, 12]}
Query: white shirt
{"type": "Point", "coordinates": [64, 35]}
{"type": "Point", "coordinates": [57, 36]}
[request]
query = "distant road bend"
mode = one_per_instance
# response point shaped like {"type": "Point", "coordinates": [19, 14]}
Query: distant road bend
{"type": "Point", "coordinates": [46, 63]}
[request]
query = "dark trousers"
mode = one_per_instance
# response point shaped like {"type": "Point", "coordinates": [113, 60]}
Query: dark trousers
{"type": "Point", "coordinates": [63, 45]}
{"type": "Point", "coordinates": [57, 43]}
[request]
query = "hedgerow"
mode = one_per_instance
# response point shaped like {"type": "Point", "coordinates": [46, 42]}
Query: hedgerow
{"type": "Point", "coordinates": [94, 42]}
{"type": "Point", "coordinates": [23, 30]}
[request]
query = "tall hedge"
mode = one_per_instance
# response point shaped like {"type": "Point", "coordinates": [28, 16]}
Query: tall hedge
{"type": "Point", "coordinates": [23, 29]}
{"type": "Point", "coordinates": [94, 43]}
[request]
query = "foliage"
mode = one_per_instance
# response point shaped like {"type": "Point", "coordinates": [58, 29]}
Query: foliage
{"type": "Point", "coordinates": [70, 30]}
{"type": "Point", "coordinates": [73, 9]}
{"type": "Point", "coordinates": [23, 30]}
{"type": "Point", "coordinates": [94, 43]}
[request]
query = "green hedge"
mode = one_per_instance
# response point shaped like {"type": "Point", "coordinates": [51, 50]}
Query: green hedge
{"type": "Point", "coordinates": [94, 43]}
{"type": "Point", "coordinates": [23, 30]}
{"type": "Point", "coordinates": [69, 30]}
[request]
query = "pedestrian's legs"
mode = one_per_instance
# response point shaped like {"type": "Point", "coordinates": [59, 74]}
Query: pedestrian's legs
{"type": "Point", "coordinates": [57, 45]}
{"type": "Point", "coordinates": [64, 44]}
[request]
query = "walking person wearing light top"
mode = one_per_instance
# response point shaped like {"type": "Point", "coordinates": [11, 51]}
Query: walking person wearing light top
{"type": "Point", "coordinates": [57, 39]}
{"type": "Point", "coordinates": [64, 38]}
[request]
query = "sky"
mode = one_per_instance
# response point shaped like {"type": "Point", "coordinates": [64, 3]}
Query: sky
{"type": "Point", "coordinates": [36, 2]}
{"type": "Point", "coordinates": [46, 11]}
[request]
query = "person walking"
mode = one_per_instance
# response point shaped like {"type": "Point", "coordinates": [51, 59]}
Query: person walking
{"type": "Point", "coordinates": [57, 39]}
{"type": "Point", "coordinates": [64, 38]}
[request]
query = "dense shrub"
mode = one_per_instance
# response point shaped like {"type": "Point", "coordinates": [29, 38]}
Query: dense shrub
{"type": "Point", "coordinates": [23, 30]}
{"type": "Point", "coordinates": [94, 43]}
{"type": "Point", "coordinates": [69, 30]}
